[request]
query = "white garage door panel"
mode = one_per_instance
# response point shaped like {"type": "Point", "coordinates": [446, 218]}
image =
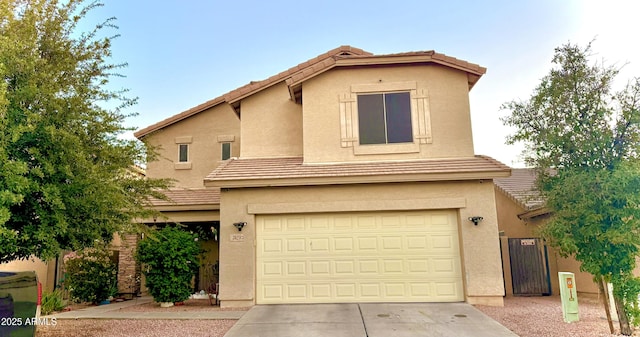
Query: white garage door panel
{"type": "Point", "coordinates": [359, 257]}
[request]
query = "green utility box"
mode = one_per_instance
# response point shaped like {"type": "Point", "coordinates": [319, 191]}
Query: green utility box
{"type": "Point", "coordinates": [19, 300]}
{"type": "Point", "coordinates": [568, 297]}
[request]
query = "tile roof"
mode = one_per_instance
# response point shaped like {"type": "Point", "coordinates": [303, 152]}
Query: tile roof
{"type": "Point", "coordinates": [176, 118]}
{"type": "Point", "coordinates": [521, 188]}
{"type": "Point", "coordinates": [291, 171]}
{"type": "Point", "coordinates": [251, 87]}
{"type": "Point", "coordinates": [428, 55]}
{"type": "Point", "coordinates": [189, 197]}
{"type": "Point", "coordinates": [343, 55]}
{"type": "Point", "coordinates": [319, 62]}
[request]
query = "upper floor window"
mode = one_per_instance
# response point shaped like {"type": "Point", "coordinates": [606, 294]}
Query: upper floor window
{"type": "Point", "coordinates": [226, 151]}
{"type": "Point", "coordinates": [183, 153]}
{"type": "Point", "coordinates": [385, 118]}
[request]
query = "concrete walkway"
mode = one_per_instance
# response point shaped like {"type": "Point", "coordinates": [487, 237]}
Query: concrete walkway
{"type": "Point", "coordinates": [368, 320]}
{"type": "Point", "coordinates": [112, 311]}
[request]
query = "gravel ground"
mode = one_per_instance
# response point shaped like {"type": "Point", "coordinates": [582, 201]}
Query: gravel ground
{"type": "Point", "coordinates": [143, 328]}
{"type": "Point", "coordinates": [542, 317]}
{"type": "Point", "coordinates": [526, 316]}
{"type": "Point", "coordinates": [136, 328]}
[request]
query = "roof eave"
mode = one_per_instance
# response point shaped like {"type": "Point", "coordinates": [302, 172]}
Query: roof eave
{"type": "Point", "coordinates": [177, 208]}
{"type": "Point", "coordinates": [510, 196]}
{"type": "Point", "coordinates": [176, 118]}
{"type": "Point", "coordinates": [535, 212]}
{"type": "Point", "coordinates": [314, 67]}
{"type": "Point", "coordinates": [345, 180]}
{"type": "Point", "coordinates": [388, 60]}
{"type": "Point", "coordinates": [235, 100]}
{"type": "Point", "coordinates": [474, 72]}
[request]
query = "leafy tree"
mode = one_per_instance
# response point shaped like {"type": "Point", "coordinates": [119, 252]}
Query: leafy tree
{"type": "Point", "coordinates": [65, 174]}
{"type": "Point", "coordinates": [583, 138]}
{"type": "Point", "coordinates": [170, 259]}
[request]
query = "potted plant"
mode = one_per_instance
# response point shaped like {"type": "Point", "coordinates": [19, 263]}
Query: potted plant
{"type": "Point", "coordinates": [170, 259]}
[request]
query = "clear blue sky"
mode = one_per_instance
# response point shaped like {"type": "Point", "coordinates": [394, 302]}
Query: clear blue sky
{"type": "Point", "coordinates": [182, 53]}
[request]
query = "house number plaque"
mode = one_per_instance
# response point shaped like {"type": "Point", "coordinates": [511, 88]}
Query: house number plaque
{"type": "Point", "coordinates": [237, 237]}
{"type": "Point", "coordinates": [528, 242]}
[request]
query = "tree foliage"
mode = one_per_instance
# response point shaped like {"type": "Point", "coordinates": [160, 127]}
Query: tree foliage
{"type": "Point", "coordinates": [597, 217]}
{"type": "Point", "coordinates": [584, 139]}
{"type": "Point", "coordinates": [573, 119]}
{"type": "Point", "coordinates": [170, 260]}
{"type": "Point", "coordinates": [65, 174]}
{"type": "Point", "coordinates": [91, 276]}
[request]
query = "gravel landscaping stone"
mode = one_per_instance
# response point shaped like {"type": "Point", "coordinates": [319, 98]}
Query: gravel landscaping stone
{"type": "Point", "coordinates": [525, 316]}
{"type": "Point", "coordinates": [136, 328]}
{"type": "Point", "coordinates": [542, 317]}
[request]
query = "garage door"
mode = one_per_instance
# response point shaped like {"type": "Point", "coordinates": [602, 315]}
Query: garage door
{"type": "Point", "coordinates": [358, 257]}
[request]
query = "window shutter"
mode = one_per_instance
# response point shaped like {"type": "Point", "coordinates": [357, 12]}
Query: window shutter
{"type": "Point", "coordinates": [421, 106]}
{"type": "Point", "coordinates": [347, 120]}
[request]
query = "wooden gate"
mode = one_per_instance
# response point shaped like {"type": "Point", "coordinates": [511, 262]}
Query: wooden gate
{"type": "Point", "coordinates": [529, 267]}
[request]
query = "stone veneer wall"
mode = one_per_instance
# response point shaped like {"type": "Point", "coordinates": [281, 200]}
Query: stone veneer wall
{"type": "Point", "coordinates": [128, 269]}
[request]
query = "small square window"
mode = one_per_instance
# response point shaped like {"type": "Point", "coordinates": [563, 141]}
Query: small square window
{"type": "Point", "coordinates": [385, 118]}
{"type": "Point", "coordinates": [183, 155]}
{"type": "Point", "coordinates": [226, 151]}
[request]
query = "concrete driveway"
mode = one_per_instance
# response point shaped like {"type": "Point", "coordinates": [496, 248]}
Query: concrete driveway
{"type": "Point", "coordinates": [367, 320]}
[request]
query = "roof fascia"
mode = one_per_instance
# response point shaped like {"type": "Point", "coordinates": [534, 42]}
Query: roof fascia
{"type": "Point", "coordinates": [176, 118]}
{"type": "Point", "coordinates": [178, 208]}
{"type": "Point", "coordinates": [473, 75]}
{"type": "Point", "coordinates": [374, 179]}
{"type": "Point", "coordinates": [295, 79]}
{"type": "Point", "coordinates": [534, 213]}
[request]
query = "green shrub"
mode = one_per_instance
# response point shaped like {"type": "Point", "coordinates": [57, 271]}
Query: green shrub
{"type": "Point", "coordinates": [170, 260]}
{"type": "Point", "coordinates": [52, 301]}
{"type": "Point", "coordinates": [91, 276]}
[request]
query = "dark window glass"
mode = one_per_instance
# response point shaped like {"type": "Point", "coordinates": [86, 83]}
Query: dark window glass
{"type": "Point", "coordinates": [385, 118]}
{"type": "Point", "coordinates": [371, 119]}
{"type": "Point", "coordinates": [184, 153]}
{"type": "Point", "coordinates": [226, 151]}
{"type": "Point", "coordinates": [398, 117]}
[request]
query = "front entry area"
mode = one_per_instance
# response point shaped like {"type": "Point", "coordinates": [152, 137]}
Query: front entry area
{"type": "Point", "coordinates": [407, 256]}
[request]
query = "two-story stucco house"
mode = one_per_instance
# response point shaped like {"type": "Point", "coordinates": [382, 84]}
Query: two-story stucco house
{"type": "Point", "coordinates": [348, 178]}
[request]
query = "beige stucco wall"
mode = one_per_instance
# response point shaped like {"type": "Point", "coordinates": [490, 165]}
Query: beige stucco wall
{"type": "Point", "coordinates": [584, 280]}
{"type": "Point", "coordinates": [271, 124]}
{"type": "Point", "coordinates": [202, 131]}
{"type": "Point", "coordinates": [44, 270]}
{"type": "Point", "coordinates": [448, 103]}
{"type": "Point", "coordinates": [513, 227]}
{"type": "Point", "coordinates": [480, 246]}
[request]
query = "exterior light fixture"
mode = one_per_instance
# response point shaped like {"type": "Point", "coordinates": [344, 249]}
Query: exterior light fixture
{"type": "Point", "coordinates": [240, 225]}
{"type": "Point", "coordinates": [475, 219]}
